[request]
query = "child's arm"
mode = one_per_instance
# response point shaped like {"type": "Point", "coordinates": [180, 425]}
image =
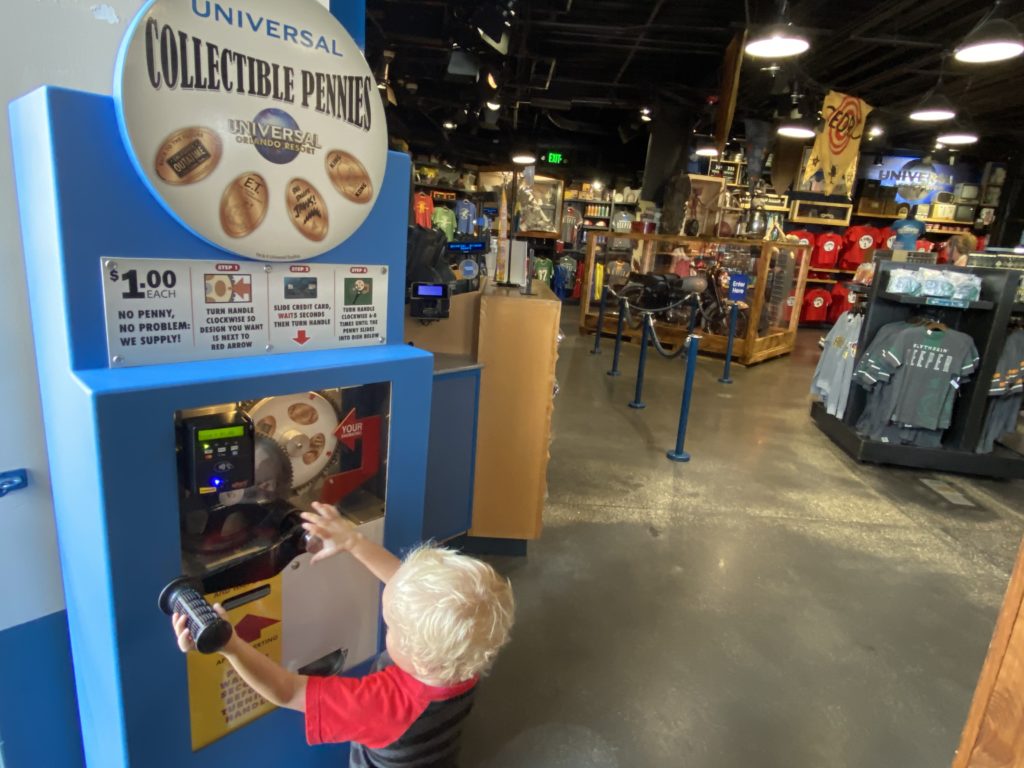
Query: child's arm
{"type": "Point", "coordinates": [341, 535]}
{"type": "Point", "coordinates": [268, 678]}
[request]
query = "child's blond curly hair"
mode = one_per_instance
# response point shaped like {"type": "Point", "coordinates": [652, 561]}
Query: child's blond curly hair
{"type": "Point", "coordinates": [450, 614]}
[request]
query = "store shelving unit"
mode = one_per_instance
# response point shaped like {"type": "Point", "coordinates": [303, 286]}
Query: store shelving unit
{"type": "Point", "coordinates": [772, 320]}
{"type": "Point", "coordinates": [986, 321]}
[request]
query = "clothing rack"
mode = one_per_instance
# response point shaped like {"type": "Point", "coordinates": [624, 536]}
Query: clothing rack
{"type": "Point", "coordinates": [987, 322]}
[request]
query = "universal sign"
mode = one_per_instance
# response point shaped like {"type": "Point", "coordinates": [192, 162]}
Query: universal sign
{"type": "Point", "coordinates": [256, 124]}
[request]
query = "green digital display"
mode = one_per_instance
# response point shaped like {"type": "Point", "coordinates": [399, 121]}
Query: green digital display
{"type": "Point", "coordinates": [220, 434]}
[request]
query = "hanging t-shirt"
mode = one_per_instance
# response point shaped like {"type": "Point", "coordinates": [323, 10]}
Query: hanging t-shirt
{"type": "Point", "coordinates": [908, 232]}
{"type": "Point", "coordinates": [543, 269]}
{"type": "Point", "coordinates": [804, 237]}
{"type": "Point", "coordinates": [444, 220]}
{"type": "Point", "coordinates": [887, 238]}
{"type": "Point", "coordinates": [843, 299]}
{"type": "Point", "coordinates": [816, 303]}
{"type": "Point", "coordinates": [931, 364]}
{"type": "Point", "coordinates": [925, 245]}
{"type": "Point", "coordinates": [423, 209]}
{"type": "Point", "coordinates": [465, 215]}
{"type": "Point", "coordinates": [826, 251]}
{"type": "Point", "coordinates": [571, 221]}
{"type": "Point", "coordinates": [860, 241]}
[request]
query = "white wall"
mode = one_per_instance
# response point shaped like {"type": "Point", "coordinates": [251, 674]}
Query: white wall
{"type": "Point", "coordinates": [69, 43]}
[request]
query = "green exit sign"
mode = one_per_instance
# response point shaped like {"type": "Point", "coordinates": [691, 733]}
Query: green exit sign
{"type": "Point", "coordinates": [554, 158]}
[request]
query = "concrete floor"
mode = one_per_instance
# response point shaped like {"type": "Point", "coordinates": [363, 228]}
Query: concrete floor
{"type": "Point", "coordinates": [771, 604]}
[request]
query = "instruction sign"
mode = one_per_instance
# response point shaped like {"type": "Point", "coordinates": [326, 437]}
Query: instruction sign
{"type": "Point", "coordinates": [219, 701]}
{"type": "Point", "coordinates": [170, 310]}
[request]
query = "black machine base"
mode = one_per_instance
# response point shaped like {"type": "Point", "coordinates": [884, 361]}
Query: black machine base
{"type": "Point", "coordinates": [1001, 463]}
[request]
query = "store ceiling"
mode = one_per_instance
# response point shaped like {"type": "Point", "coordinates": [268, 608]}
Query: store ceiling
{"type": "Point", "coordinates": [578, 72]}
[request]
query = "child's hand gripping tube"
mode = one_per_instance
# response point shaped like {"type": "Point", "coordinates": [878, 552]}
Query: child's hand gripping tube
{"type": "Point", "coordinates": [209, 631]}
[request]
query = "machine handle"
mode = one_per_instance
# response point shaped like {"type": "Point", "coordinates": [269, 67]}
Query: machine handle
{"type": "Point", "coordinates": [14, 480]}
{"type": "Point", "coordinates": [209, 631]}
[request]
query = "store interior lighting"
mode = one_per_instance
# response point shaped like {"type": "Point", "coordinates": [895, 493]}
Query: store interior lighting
{"type": "Point", "coordinates": [958, 136]}
{"type": "Point", "coordinates": [875, 131]}
{"type": "Point", "coordinates": [706, 147]}
{"type": "Point", "coordinates": [645, 115]}
{"type": "Point", "coordinates": [777, 42]}
{"type": "Point", "coordinates": [934, 107]}
{"type": "Point", "coordinates": [524, 158]}
{"type": "Point", "coordinates": [494, 106]}
{"type": "Point", "coordinates": [492, 81]}
{"type": "Point", "coordinates": [796, 126]}
{"type": "Point", "coordinates": [993, 39]}
{"type": "Point", "coordinates": [448, 125]}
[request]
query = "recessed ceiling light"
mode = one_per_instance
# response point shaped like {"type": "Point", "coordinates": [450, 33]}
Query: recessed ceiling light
{"type": "Point", "coordinates": [777, 42]}
{"type": "Point", "coordinates": [992, 40]}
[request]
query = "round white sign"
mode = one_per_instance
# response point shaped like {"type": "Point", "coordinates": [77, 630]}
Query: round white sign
{"type": "Point", "coordinates": [257, 124]}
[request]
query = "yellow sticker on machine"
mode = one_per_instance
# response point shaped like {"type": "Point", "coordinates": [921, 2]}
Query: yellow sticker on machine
{"type": "Point", "coordinates": [219, 701]}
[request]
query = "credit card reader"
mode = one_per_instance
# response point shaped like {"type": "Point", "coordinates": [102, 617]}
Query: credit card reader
{"type": "Point", "coordinates": [218, 452]}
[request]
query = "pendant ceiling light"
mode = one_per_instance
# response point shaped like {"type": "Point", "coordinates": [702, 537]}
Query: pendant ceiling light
{"type": "Point", "coordinates": [524, 158]}
{"type": "Point", "coordinates": [993, 39]}
{"type": "Point", "coordinates": [778, 41]}
{"type": "Point", "coordinates": [933, 108]}
{"type": "Point", "coordinates": [706, 147]}
{"type": "Point", "coordinates": [796, 126]}
{"type": "Point", "coordinates": [958, 134]}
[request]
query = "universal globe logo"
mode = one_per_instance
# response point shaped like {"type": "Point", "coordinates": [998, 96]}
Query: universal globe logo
{"type": "Point", "coordinates": [276, 136]}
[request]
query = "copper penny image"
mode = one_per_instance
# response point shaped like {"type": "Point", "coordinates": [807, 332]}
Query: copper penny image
{"type": "Point", "coordinates": [267, 426]}
{"type": "Point", "coordinates": [349, 176]}
{"type": "Point", "coordinates": [302, 413]}
{"type": "Point", "coordinates": [316, 447]}
{"type": "Point", "coordinates": [243, 206]}
{"type": "Point", "coordinates": [188, 155]}
{"type": "Point", "coordinates": [306, 209]}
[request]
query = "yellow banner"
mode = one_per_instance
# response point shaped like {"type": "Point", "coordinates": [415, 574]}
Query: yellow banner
{"type": "Point", "coordinates": [219, 700]}
{"type": "Point", "coordinates": [837, 145]}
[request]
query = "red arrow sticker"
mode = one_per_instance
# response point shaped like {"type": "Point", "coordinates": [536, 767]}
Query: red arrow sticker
{"type": "Point", "coordinates": [350, 430]}
{"type": "Point", "coordinates": [301, 337]}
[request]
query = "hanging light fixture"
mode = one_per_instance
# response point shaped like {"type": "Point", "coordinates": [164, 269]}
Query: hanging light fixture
{"type": "Point", "coordinates": [992, 39]}
{"type": "Point", "coordinates": [494, 106]}
{"type": "Point", "coordinates": [524, 157]}
{"type": "Point", "coordinates": [449, 125]}
{"type": "Point", "coordinates": [796, 126]}
{"type": "Point", "coordinates": [645, 114]}
{"type": "Point", "coordinates": [706, 147]}
{"type": "Point", "coordinates": [778, 41]}
{"type": "Point", "coordinates": [957, 135]}
{"type": "Point", "coordinates": [934, 107]}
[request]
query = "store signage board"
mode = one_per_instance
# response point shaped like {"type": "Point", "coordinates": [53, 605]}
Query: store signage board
{"type": "Point", "coordinates": [172, 310]}
{"type": "Point", "coordinates": [939, 301]}
{"type": "Point", "coordinates": [256, 124]}
{"type": "Point", "coordinates": [916, 181]}
{"type": "Point", "coordinates": [738, 287]}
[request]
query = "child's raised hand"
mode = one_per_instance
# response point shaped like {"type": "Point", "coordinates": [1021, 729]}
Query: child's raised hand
{"type": "Point", "coordinates": [337, 533]}
{"type": "Point", "coordinates": [179, 622]}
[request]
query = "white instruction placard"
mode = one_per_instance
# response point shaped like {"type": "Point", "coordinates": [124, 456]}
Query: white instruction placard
{"type": "Point", "coordinates": [169, 310]}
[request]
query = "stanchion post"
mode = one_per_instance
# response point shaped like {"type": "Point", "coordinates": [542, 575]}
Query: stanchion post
{"type": "Point", "coordinates": [600, 323]}
{"type": "Point", "coordinates": [618, 338]}
{"type": "Point", "coordinates": [684, 412]}
{"type": "Point", "coordinates": [694, 310]}
{"type": "Point", "coordinates": [734, 314]}
{"type": "Point", "coordinates": [638, 397]}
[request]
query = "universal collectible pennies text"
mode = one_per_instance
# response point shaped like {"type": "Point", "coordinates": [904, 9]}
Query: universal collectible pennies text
{"type": "Point", "coordinates": [265, 114]}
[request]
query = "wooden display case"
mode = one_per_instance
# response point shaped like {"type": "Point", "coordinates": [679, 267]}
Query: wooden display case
{"type": "Point", "coordinates": [773, 299]}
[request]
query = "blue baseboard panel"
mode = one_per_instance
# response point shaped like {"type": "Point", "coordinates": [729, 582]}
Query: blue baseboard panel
{"type": "Point", "coordinates": [38, 708]}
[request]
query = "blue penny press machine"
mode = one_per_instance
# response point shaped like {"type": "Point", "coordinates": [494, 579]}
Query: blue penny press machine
{"type": "Point", "coordinates": [217, 305]}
